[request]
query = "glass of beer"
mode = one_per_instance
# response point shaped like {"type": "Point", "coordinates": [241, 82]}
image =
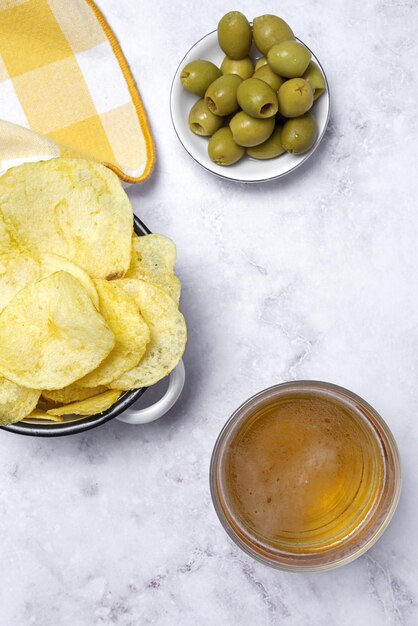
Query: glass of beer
{"type": "Point", "coordinates": [305, 476]}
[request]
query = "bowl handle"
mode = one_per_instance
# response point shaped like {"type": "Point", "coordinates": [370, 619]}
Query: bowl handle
{"type": "Point", "coordinates": [160, 408]}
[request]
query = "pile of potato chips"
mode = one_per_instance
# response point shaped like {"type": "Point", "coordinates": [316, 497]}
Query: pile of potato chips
{"type": "Point", "coordinates": [88, 309]}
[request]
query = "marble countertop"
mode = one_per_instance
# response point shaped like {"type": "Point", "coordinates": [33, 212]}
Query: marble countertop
{"type": "Point", "coordinates": [312, 276]}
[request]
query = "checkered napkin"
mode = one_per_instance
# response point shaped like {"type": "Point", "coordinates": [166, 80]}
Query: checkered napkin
{"type": "Point", "coordinates": [63, 76]}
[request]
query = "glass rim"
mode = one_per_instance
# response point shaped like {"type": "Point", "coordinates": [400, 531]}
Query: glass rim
{"type": "Point", "coordinates": [389, 444]}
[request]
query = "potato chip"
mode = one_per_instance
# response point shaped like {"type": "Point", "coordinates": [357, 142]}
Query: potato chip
{"type": "Point", "coordinates": [51, 263]}
{"type": "Point", "coordinates": [72, 393]}
{"type": "Point", "coordinates": [91, 406]}
{"type": "Point", "coordinates": [71, 207]}
{"type": "Point", "coordinates": [39, 414]}
{"type": "Point", "coordinates": [16, 271]}
{"type": "Point", "coordinates": [152, 260]}
{"type": "Point", "coordinates": [6, 243]}
{"type": "Point", "coordinates": [51, 334]}
{"type": "Point", "coordinates": [132, 335]}
{"type": "Point", "coordinates": [168, 335]}
{"type": "Point", "coordinates": [16, 402]}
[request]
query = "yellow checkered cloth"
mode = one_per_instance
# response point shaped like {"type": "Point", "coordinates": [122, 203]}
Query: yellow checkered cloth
{"type": "Point", "coordinates": [63, 76]}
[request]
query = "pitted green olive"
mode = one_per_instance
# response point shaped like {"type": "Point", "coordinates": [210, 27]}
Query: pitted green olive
{"type": "Point", "coordinates": [316, 79]}
{"type": "Point", "coordinates": [241, 67]}
{"type": "Point", "coordinates": [289, 59]}
{"type": "Point", "coordinates": [266, 74]}
{"type": "Point", "coordinates": [299, 134]}
{"type": "Point", "coordinates": [270, 149]}
{"type": "Point", "coordinates": [222, 148]}
{"type": "Point", "coordinates": [269, 30]}
{"type": "Point", "coordinates": [295, 97]}
{"type": "Point", "coordinates": [221, 95]}
{"type": "Point", "coordinates": [257, 98]}
{"type": "Point", "coordinates": [198, 75]}
{"type": "Point", "coordinates": [249, 131]}
{"type": "Point", "coordinates": [202, 121]}
{"type": "Point", "coordinates": [234, 35]}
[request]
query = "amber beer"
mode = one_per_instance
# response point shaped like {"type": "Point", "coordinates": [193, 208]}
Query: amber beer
{"type": "Point", "coordinates": [303, 473]}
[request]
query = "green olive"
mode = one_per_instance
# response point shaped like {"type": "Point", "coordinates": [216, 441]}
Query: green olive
{"type": "Point", "coordinates": [202, 121]}
{"type": "Point", "coordinates": [316, 79]}
{"type": "Point", "coordinates": [269, 149]}
{"type": "Point", "coordinates": [234, 35]}
{"type": "Point", "coordinates": [289, 59]}
{"type": "Point", "coordinates": [266, 74]}
{"type": "Point", "coordinates": [269, 30]}
{"type": "Point", "coordinates": [257, 98]}
{"type": "Point", "coordinates": [248, 131]}
{"type": "Point", "coordinates": [241, 67]}
{"type": "Point", "coordinates": [222, 148]}
{"type": "Point", "coordinates": [221, 95]}
{"type": "Point", "coordinates": [198, 75]}
{"type": "Point", "coordinates": [299, 135]}
{"type": "Point", "coordinates": [261, 61]}
{"type": "Point", "coordinates": [295, 97]}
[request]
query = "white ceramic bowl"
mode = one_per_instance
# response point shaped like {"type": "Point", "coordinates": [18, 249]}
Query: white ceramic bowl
{"type": "Point", "coordinates": [247, 170]}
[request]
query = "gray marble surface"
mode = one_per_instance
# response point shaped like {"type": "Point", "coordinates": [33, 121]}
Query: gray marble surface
{"type": "Point", "coordinates": [313, 276]}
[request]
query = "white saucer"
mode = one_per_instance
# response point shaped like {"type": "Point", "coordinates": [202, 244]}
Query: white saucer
{"type": "Point", "coordinates": [247, 170]}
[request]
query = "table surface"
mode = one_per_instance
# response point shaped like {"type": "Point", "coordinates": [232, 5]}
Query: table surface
{"type": "Point", "coordinates": [310, 277]}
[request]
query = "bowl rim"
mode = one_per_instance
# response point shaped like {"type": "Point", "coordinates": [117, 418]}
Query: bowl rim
{"type": "Point", "coordinates": [284, 564]}
{"type": "Point", "coordinates": [260, 180]}
{"type": "Point", "coordinates": [59, 429]}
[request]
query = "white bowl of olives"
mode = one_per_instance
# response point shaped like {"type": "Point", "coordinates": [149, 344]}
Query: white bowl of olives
{"type": "Point", "coordinates": [249, 101]}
